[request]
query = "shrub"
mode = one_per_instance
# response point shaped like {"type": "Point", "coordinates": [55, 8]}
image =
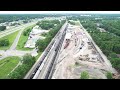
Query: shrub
{"type": "Point", "coordinates": [84, 75]}
{"type": "Point", "coordinates": [109, 75]}
{"type": "Point", "coordinates": [4, 42]}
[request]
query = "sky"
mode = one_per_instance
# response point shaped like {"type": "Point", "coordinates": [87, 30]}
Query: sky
{"type": "Point", "coordinates": [59, 12]}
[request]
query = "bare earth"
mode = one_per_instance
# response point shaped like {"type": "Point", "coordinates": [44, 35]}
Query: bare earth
{"type": "Point", "coordinates": [87, 58]}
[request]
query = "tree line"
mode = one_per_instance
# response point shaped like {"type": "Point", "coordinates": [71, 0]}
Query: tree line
{"type": "Point", "coordinates": [27, 32]}
{"type": "Point", "coordinates": [42, 44]}
{"type": "Point", "coordinates": [48, 24]}
{"type": "Point", "coordinates": [20, 72]}
{"type": "Point", "coordinates": [108, 43]}
{"type": "Point", "coordinates": [2, 28]}
{"type": "Point", "coordinates": [112, 26]}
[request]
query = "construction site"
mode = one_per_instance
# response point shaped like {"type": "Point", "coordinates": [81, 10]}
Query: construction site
{"type": "Point", "coordinates": [78, 53]}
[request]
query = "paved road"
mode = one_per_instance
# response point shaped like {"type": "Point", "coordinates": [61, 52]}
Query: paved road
{"type": "Point", "coordinates": [9, 31]}
{"type": "Point", "coordinates": [13, 53]}
{"type": "Point", "coordinates": [13, 46]}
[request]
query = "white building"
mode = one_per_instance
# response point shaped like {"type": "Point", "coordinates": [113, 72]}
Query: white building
{"type": "Point", "coordinates": [34, 36]}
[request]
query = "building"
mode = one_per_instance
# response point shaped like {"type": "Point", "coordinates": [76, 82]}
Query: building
{"type": "Point", "coordinates": [34, 36]}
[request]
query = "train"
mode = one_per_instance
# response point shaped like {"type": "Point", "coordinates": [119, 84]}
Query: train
{"type": "Point", "coordinates": [43, 60]}
{"type": "Point", "coordinates": [41, 63]}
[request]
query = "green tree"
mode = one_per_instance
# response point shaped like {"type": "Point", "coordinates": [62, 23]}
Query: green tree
{"type": "Point", "coordinates": [116, 63]}
{"type": "Point", "coordinates": [71, 22]}
{"type": "Point", "coordinates": [109, 75]}
{"type": "Point", "coordinates": [116, 48]}
{"type": "Point", "coordinates": [109, 42]}
{"type": "Point", "coordinates": [41, 44]}
{"type": "Point", "coordinates": [44, 34]}
{"type": "Point", "coordinates": [25, 21]}
{"type": "Point", "coordinates": [113, 55]}
{"type": "Point", "coordinates": [28, 60]}
{"type": "Point", "coordinates": [4, 42]}
{"type": "Point", "coordinates": [27, 32]}
{"type": "Point", "coordinates": [84, 75]}
{"type": "Point", "coordinates": [14, 75]}
{"type": "Point", "coordinates": [21, 70]}
{"type": "Point", "coordinates": [2, 28]}
{"type": "Point", "coordinates": [47, 24]}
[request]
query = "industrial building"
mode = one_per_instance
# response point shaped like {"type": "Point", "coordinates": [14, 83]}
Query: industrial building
{"type": "Point", "coordinates": [34, 36]}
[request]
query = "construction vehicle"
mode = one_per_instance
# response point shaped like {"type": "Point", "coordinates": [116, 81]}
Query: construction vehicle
{"type": "Point", "coordinates": [67, 43]}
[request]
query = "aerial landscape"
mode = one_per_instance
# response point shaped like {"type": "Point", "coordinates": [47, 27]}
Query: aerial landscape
{"type": "Point", "coordinates": [59, 45]}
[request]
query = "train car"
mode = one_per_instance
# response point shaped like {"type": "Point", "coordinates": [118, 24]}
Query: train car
{"type": "Point", "coordinates": [32, 75]}
{"type": "Point", "coordinates": [41, 66]}
{"type": "Point", "coordinates": [36, 74]}
{"type": "Point", "coordinates": [38, 71]}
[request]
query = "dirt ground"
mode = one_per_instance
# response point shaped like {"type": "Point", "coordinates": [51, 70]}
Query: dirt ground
{"type": "Point", "coordinates": [87, 58]}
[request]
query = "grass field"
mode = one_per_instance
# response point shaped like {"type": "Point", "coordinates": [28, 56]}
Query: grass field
{"type": "Point", "coordinates": [23, 39]}
{"type": "Point", "coordinates": [7, 65]}
{"type": "Point", "coordinates": [11, 38]}
{"type": "Point", "coordinates": [39, 53]}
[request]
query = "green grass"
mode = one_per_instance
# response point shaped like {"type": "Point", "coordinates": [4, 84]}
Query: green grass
{"type": "Point", "coordinates": [7, 65]}
{"type": "Point", "coordinates": [39, 53]}
{"type": "Point", "coordinates": [23, 39]}
{"type": "Point", "coordinates": [11, 38]}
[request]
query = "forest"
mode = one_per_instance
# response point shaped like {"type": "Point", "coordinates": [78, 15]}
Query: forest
{"type": "Point", "coordinates": [48, 24]}
{"type": "Point", "coordinates": [109, 42]}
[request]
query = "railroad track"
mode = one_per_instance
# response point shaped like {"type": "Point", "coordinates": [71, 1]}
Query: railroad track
{"type": "Point", "coordinates": [39, 66]}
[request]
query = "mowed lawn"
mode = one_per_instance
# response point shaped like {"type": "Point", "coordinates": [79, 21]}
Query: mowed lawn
{"type": "Point", "coordinates": [22, 41]}
{"type": "Point", "coordinates": [7, 65]}
{"type": "Point", "coordinates": [11, 38]}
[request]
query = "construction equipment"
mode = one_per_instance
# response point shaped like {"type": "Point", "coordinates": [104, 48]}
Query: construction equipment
{"type": "Point", "coordinates": [67, 43]}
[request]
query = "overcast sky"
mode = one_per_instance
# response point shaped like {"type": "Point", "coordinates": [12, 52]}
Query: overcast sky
{"type": "Point", "coordinates": [59, 12]}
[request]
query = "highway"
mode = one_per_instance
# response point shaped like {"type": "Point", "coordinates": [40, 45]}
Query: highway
{"type": "Point", "coordinates": [9, 31]}
{"type": "Point", "coordinates": [43, 66]}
